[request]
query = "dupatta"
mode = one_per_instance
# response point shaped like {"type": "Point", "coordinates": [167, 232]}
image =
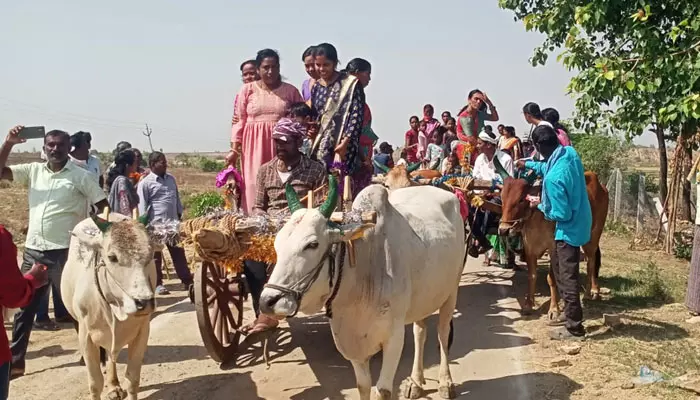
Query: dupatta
{"type": "Point", "coordinates": [334, 116]}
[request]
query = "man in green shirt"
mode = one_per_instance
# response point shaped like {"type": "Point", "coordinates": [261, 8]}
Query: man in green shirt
{"type": "Point", "coordinates": [59, 192]}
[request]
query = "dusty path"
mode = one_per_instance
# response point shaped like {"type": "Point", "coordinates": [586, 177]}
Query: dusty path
{"type": "Point", "coordinates": [489, 356]}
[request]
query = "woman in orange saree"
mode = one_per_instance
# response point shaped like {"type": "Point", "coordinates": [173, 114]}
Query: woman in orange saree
{"type": "Point", "coordinates": [511, 143]}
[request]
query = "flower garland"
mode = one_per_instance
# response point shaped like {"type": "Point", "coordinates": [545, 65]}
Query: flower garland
{"type": "Point", "coordinates": [448, 178]}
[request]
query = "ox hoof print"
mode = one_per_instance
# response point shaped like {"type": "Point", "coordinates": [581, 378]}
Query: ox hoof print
{"type": "Point", "coordinates": [447, 392]}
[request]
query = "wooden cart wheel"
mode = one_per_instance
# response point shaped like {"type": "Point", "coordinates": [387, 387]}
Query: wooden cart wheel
{"type": "Point", "coordinates": [218, 299]}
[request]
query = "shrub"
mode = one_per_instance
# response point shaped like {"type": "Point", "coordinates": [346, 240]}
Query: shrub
{"type": "Point", "coordinates": [599, 153]}
{"type": "Point", "coordinates": [203, 203]}
{"type": "Point", "coordinates": [209, 165]}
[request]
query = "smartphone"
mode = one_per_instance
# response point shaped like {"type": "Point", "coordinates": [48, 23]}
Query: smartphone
{"type": "Point", "coordinates": [32, 132]}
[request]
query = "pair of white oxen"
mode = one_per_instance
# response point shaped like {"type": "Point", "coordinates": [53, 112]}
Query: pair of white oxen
{"type": "Point", "coordinates": [405, 267]}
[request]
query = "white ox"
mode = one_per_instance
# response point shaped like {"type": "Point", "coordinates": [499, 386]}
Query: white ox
{"type": "Point", "coordinates": [407, 266]}
{"type": "Point", "coordinates": [107, 286]}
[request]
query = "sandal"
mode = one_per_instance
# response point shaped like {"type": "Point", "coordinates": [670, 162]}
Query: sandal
{"type": "Point", "coordinates": [261, 324]}
{"type": "Point", "coordinates": [46, 326]}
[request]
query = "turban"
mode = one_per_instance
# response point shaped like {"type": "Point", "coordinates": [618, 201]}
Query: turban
{"type": "Point", "coordinates": [488, 137]}
{"type": "Point", "coordinates": [287, 129]}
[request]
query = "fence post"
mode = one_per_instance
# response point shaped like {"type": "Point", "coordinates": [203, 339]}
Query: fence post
{"type": "Point", "coordinates": [641, 203]}
{"type": "Point", "coordinates": [618, 194]}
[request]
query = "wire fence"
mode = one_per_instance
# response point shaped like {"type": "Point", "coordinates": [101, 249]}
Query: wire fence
{"type": "Point", "coordinates": [635, 205]}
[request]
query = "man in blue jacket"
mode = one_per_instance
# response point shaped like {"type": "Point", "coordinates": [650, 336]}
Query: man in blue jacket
{"type": "Point", "coordinates": [564, 200]}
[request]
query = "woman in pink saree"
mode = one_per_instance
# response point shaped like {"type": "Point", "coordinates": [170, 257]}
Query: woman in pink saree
{"type": "Point", "coordinates": [259, 106]}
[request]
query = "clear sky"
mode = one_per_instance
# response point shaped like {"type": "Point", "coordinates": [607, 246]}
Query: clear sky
{"type": "Point", "coordinates": [108, 69]}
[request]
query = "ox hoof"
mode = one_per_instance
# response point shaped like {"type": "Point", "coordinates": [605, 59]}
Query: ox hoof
{"type": "Point", "coordinates": [526, 309]}
{"type": "Point", "coordinates": [117, 394]}
{"type": "Point", "coordinates": [595, 296]}
{"type": "Point", "coordinates": [412, 390]}
{"type": "Point", "coordinates": [447, 392]}
{"type": "Point", "coordinates": [383, 394]}
{"type": "Point", "coordinates": [553, 315]}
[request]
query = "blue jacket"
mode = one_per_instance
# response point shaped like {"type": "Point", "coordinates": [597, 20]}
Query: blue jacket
{"type": "Point", "coordinates": [564, 197]}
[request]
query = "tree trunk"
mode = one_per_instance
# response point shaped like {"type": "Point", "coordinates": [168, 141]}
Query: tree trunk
{"type": "Point", "coordinates": [686, 165]}
{"type": "Point", "coordinates": [663, 164]}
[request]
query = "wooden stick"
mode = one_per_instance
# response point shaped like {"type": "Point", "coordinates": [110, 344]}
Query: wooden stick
{"type": "Point", "coordinates": [310, 199]}
{"type": "Point", "coordinates": [369, 217]}
{"type": "Point", "coordinates": [347, 195]}
{"type": "Point", "coordinates": [135, 213]}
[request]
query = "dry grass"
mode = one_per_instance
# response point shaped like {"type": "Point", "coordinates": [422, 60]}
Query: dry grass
{"type": "Point", "coordinates": [646, 288]}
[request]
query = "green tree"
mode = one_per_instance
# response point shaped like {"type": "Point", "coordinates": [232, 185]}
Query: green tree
{"type": "Point", "coordinates": [637, 62]}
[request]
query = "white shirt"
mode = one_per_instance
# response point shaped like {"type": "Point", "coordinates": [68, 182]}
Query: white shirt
{"type": "Point", "coordinates": [543, 122]}
{"type": "Point", "coordinates": [92, 165]}
{"type": "Point", "coordinates": [486, 170]}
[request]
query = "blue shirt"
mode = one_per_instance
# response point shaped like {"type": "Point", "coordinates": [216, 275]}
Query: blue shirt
{"type": "Point", "coordinates": [159, 197]}
{"type": "Point", "coordinates": [564, 196]}
{"type": "Point", "coordinates": [382, 159]}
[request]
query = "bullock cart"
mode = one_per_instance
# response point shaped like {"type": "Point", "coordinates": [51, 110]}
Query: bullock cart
{"type": "Point", "coordinates": [221, 241]}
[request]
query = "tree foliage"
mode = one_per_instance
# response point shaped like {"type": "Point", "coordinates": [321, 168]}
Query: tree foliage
{"type": "Point", "coordinates": [637, 61]}
{"type": "Point", "coordinates": [599, 153]}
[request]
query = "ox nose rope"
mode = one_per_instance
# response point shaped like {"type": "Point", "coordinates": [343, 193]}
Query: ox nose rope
{"type": "Point", "coordinates": [302, 286]}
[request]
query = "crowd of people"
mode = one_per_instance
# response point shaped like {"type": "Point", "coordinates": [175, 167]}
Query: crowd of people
{"type": "Point", "coordinates": [66, 187]}
{"type": "Point", "coordinates": [280, 137]}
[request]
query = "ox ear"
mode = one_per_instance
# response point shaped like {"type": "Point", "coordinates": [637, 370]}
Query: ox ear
{"type": "Point", "coordinates": [102, 224]}
{"type": "Point", "coordinates": [355, 232]}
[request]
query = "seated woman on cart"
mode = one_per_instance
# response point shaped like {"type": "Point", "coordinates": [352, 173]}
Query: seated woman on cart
{"type": "Point", "coordinates": [304, 175]}
{"type": "Point", "coordinates": [488, 166]}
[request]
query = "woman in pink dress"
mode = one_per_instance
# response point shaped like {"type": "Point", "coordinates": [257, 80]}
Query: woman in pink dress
{"type": "Point", "coordinates": [249, 73]}
{"type": "Point", "coordinates": [260, 105]}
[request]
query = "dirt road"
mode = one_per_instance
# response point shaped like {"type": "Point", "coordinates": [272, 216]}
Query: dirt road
{"type": "Point", "coordinates": [489, 357]}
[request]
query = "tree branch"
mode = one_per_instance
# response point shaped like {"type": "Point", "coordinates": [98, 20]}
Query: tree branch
{"type": "Point", "coordinates": [638, 59]}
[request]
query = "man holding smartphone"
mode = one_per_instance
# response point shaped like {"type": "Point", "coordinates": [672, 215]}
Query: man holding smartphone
{"type": "Point", "coordinates": [57, 196]}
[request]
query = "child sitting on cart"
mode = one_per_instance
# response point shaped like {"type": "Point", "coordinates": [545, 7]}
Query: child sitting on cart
{"type": "Point", "coordinates": [291, 167]}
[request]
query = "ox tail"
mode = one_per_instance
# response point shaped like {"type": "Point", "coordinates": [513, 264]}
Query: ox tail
{"type": "Point", "coordinates": [598, 261]}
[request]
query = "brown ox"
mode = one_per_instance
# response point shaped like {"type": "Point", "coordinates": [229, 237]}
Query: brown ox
{"type": "Point", "coordinates": [402, 176]}
{"type": "Point", "coordinates": [538, 234]}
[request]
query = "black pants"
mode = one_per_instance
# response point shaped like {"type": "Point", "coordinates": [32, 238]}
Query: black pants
{"type": "Point", "coordinates": [24, 319]}
{"type": "Point", "coordinates": [482, 220]}
{"type": "Point", "coordinates": [256, 276]}
{"type": "Point", "coordinates": [4, 380]}
{"type": "Point", "coordinates": [59, 310]}
{"type": "Point", "coordinates": [179, 262]}
{"type": "Point", "coordinates": [564, 263]}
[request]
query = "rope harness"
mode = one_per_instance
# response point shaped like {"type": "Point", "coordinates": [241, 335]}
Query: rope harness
{"type": "Point", "coordinates": [301, 287]}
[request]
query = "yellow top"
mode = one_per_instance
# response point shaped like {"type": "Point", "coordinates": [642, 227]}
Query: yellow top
{"type": "Point", "coordinates": [57, 202]}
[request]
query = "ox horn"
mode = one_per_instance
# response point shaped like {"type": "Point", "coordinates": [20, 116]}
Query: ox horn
{"type": "Point", "coordinates": [530, 177]}
{"type": "Point", "coordinates": [328, 206]}
{"type": "Point", "coordinates": [413, 167]}
{"type": "Point", "coordinates": [386, 169]}
{"type": "Point", "coordinates": [292, 199]}
{"type": "Point", "coordinates": [102, 224]}
{"type": "Point", "coordinates": [499, 168]}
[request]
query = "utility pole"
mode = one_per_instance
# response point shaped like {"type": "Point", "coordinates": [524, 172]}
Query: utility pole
{"type": "Point", "coordinates": [147, 133]}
